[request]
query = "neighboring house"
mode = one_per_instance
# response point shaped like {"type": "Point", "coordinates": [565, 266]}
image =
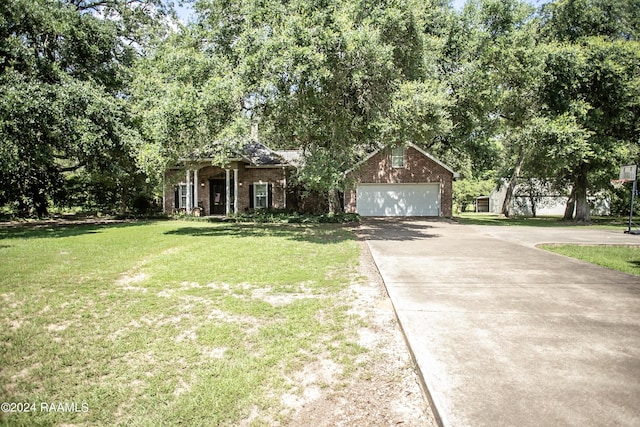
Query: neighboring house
{"type": "Point", "coordinates": [400, 181]}
{"type": "Point", "coordinates": [536, 195]}
{"type": "Point", "coordinates": [256, 178]}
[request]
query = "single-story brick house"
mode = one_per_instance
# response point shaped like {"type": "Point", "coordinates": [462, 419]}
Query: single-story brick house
{"type": "Point", "coordinates": [400, 181]}
{"type": "Point", "coordinates": [255, 178]}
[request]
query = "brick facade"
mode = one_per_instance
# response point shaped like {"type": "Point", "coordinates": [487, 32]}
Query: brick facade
{"type": "Point", "coordinates": [418, 168]}
{"type": "Point", "coordinates": [276, 177]}
{"type": "Point", "coordinates": [377, 169]}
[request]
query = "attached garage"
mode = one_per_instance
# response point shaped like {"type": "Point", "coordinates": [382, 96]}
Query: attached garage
{"type": "Point", "coordinates": [398, 199]}
{"type": "Point", "coordinates": [400, 181]}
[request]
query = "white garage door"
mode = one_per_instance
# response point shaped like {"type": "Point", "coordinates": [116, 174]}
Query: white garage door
{"type": "Point", "coordinates": [398, 199]}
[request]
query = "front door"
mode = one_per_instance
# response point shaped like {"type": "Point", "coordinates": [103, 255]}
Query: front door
{"type": "Point", "coordinates": [218, 196]}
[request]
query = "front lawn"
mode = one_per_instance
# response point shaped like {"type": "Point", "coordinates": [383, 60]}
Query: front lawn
{"type": "Point", "coordinates": [170, 322]}
{"type": "Point", "coordinates": [621, 258]}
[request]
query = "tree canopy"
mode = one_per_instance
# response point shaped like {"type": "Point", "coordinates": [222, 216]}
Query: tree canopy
{"type": "Point", "coordinates": [107, 93]}
{"type": "Point", "coordinates": [64, 67]}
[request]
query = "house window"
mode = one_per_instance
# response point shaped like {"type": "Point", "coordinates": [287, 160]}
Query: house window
{"type": "Point", "coordinates": [182, 192]}
{"type": "Point", "coordinates": [260, 195]}
{"type": "Point", "coordinates": [397, 157]}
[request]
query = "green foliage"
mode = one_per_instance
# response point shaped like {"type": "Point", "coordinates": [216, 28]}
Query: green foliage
{"type": "Point", "coordinates": [572, 20]}
{"type": "Point", "coordinates": [63, 69]}
{"type": "Point", "coordinates": [187, 102]}
{"type": "Point", "coordinates": [419, 114]}
{"type": "Point", "coordinates": [294, 218]}
{"type": "Point", "coordinates": [592, 99]}
{"type": "Point", "coordinates": [98, 97]}
{"type": "Point", "coordinates": [465, 192]}
{"type": "Point", "coordinates": [331, 78]}
{"type": "Point", "coordinates": [620, 201]}
{"type": "Point", "coordinates": [557, 93]}
{"type": "Point", "coordinates": [492, 64]}
{"type": "Point", "coordinates": [271, 216]}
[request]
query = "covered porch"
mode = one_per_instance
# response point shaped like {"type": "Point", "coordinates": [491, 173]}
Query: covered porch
{"type": "Point", "coordinates": [215, 190]}
{"type": "Point", "coordinates": [206, 190]}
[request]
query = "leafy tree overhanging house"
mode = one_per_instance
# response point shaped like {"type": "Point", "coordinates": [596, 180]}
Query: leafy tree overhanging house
{"type": "Point", "coordinates": [402, 180]}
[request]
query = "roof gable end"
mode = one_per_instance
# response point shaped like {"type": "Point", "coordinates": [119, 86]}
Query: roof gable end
{"type": "Point", "coordinates": [259, 154]}
{"type": "Point", "coordinates": [420, 150]}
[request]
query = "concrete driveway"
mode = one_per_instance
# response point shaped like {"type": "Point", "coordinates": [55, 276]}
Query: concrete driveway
{"type": "Point", "coordinates": [505, 334]}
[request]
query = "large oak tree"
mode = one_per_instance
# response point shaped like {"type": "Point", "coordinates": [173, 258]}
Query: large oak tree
{"type": "Point", "coordinates": [63, 74]}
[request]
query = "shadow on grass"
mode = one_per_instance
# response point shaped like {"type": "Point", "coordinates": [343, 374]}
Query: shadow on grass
{"type": "Point", "coordinates": [60, 229]}
{"type": "Point", "coordinates": [515, 221]}
{"type": "Point", "coordinates": [542, 221]}
{"type": "Point", "coordinates": [316, 233]}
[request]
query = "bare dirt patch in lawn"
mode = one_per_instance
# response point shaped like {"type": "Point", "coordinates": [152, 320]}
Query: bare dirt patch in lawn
{"type": "Point", "coordinates": [333, 352]}
{"type": "Point", "coordinates": [267, 294]}
{"type": "Point", "coordinates": [384, 388]}
{"type": "Point", "coordinates": [125, 280]}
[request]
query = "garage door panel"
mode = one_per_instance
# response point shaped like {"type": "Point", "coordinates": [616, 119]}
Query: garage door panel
{"type": "Point", "coordinates": [398, 199]}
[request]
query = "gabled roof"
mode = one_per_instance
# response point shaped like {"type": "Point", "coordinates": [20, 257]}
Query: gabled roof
{"type": "Point", "coordinates": [255, 154]}
{"type": "Point", "coordinates": [293, 157]}
{"type": "Point", "coordinates": [363, 161]}
{"type": "Point", "coordinates": [258, 154]}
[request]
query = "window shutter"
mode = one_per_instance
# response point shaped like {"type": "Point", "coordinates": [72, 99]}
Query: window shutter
{"type": "Point", "coordinates": [270, 196]}
{"type": "Point", "coordinates": [251, 196]}
{"type": "Point", "coordinates": [177, 198]}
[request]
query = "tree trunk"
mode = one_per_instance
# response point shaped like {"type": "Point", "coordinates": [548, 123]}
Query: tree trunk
{"type": "Point", "coordinates": [23, 208]}
{"type": "Point", "coordinates": [508, 197]}
{"type": "Point", "coordinates": [40, 204]}
{"type": "Point", "coordinates": [532, 200]}
{"type": "Point", "coordinates": [334, 204]}
{"type": "Point", "coordinates": [123, 200]}
{"type": "Point", "coordinates": [571, 205]}
{"type": "Point", "coordinates": [583, 214]}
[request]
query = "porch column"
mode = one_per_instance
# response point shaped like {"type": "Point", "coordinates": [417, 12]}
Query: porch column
{"type": "Point", "coordinates": [188, 207]}
{"type": "Point", "coordinates": [164, 193]}
{"type": "Point", "coordinates": [195, 188]}
{"type": "Point", "coordinates": [228, 189]}
{"type": "Point", "coordinates": [235, 191]}
{"type": "Point", "coordinates": [284, 187]}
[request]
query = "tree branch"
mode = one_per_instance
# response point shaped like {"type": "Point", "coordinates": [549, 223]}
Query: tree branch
{"type": "Point", "coordinates": [72, 168]}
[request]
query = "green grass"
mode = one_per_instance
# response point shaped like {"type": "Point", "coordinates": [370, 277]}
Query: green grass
{"type": "Point", "coordinates": [160, 323]}
{"type": "Point", "coordinates": [603, 222]}
{"type": "Point", "coordinates": [621, 258]}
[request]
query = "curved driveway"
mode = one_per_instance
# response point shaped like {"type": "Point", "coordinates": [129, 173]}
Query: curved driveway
{"type": "Point", "coordinates": [505, 334]}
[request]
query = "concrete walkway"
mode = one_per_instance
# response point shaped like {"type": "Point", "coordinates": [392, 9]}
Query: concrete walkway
{"type": "Point", "coordinates": [508, 335]}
